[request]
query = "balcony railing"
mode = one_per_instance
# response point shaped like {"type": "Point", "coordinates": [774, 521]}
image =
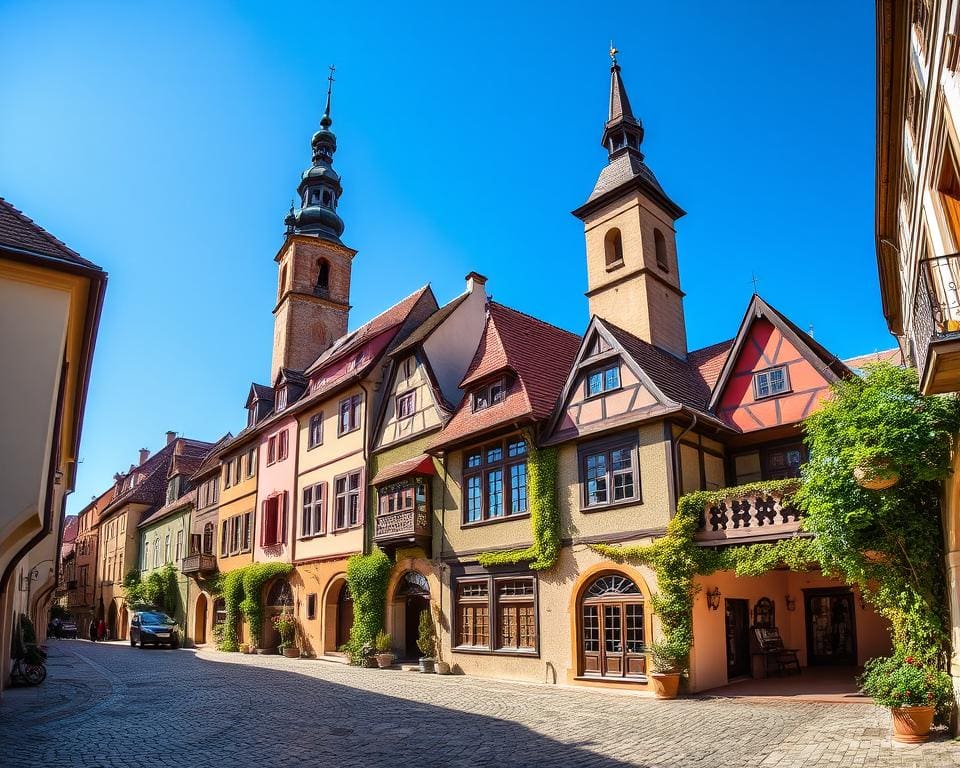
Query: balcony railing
{"type": "Point", "coordinates": [199, 564]}
{"type": "Point", "coordinates": [753, 516]}
{"type": "Point", "coordinates": [936, 324]}
{"type": "Point", "coordinates": [405, 525]}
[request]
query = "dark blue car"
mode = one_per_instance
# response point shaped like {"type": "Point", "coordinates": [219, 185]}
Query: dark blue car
{"type": "Point", "coordinates": [154, 628]}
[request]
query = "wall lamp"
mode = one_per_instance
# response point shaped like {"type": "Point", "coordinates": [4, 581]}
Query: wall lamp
{"type": "Point", "coordinates": [713, 599]}
{"type": "Point", "coordinates": [791, 602]}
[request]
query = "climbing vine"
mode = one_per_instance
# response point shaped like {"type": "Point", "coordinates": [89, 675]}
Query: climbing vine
{"type": "Point", "coordinates": [367, 577]}
{"type": "Point", "coordinates": [159, 590]}
{"type": "Point", "coordinates": [242, 590]}
{"type": "Point", "coordinates": [677, 560]}
{"type": "Point", "coordinates": [544, 514]}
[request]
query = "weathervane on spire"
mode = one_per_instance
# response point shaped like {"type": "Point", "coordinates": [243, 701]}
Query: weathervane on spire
{"type": "Point", "coordinates": [325, 121]}
{"type": "Point", "coordinates": [613, 53]}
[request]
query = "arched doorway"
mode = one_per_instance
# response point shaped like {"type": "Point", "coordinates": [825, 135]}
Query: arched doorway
{"type": "Point", "coordinates": [112, 620]}
{"type": "Point", "coordinates": [200, 621]}
{"type": "Point", "coordinates": [344, 615]}
{"type": "Point", "coordinates": [279, 598]}
{"type": "Point", "coordinates": [612, 628]}
{"type": "Point", "coordinates": [412, 598]}
{"type": "Point", "coordinates": [123, 621]}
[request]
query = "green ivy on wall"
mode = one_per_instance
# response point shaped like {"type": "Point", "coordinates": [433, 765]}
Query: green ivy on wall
{"type": "Point", "coordinates": [367, 577]}
{"type": "Point", "coordinates": [159, 589]}
{"type": "Point", "coordinates": [242, 590]}
{"type": "Point", "coordinates": [544, 514]}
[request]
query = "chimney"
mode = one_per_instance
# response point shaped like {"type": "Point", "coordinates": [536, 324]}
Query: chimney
{"type": "Point", "coordinates": [144, 454]}
{"type": "Point", "coordinates": [476, 281]}
{"type": "Point", "coordinates": [171, 436]}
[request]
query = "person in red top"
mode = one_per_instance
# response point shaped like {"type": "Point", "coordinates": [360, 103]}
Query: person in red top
{"type": "Point", "coordinates": [102, 630]}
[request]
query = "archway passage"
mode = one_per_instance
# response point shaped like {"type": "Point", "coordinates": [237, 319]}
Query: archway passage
{"type": "Point", "coordinates": [612, 628]}
{"type": "Point", "coordinates": [344, 617]}
{"type": "Point", "coordinates": [200, 621]}
{"type": "Point", "coordinates": [123, 622]}
{"type": "Point", "coordinates": [112, 620]}
{"type": "Point", "coordinates": [279, 598]}
{"type": "Point", "coordinates": [412, 598]}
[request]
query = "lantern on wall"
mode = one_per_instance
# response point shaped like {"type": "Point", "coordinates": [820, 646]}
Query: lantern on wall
{"type": "Point", "coordinates": [713, 599]}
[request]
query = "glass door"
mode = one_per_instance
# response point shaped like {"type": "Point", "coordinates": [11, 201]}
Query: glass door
{"type": "Point", "coordinates": [831, 630]}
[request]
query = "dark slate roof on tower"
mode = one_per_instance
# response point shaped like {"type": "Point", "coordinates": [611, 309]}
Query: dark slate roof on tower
{"type": "Point", "coordinates": [22, 233]}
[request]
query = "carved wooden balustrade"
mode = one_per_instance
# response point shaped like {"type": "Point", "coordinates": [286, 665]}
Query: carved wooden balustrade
{"type": "Point", "coordinates": [404, 525]}
{"type": "Point", "coordinates": [754, 516]}
{"type": "Point", "coordinates": [197, 563]}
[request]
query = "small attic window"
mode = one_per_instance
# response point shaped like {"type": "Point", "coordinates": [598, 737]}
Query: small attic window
{"type": "Point", "coordinates": [773, 381]}
{"type": "Point", "coordinates": [604, 379]}
{"type": "Point", "coordinates": [493, 393]}
{"type": "Point", "coordinates": [251, 415]}
{"type": "Point", "coordinates": [281, 398]}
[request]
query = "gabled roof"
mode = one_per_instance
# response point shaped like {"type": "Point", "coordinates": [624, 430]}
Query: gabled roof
{"type": "Point", "coordinates": [385, 321]}
{"type": "Point", "coordinates": [211, 461]}
{"type": "Point", "coordinates": [290, 376]}
{"type": "Point", "coordinates": [259, 392]}
{"type": "Point", "coordinates": [830, 365]}
{"type": "Point", "coordinates": [19, 232]}
{"type": "Point", "coordinates": [186, 500]}
{"type": "Point", "coordinates": [538, 354]}
{"type": "Point", "coordinates": [428, 326]}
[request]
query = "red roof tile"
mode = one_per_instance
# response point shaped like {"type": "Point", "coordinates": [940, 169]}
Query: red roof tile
{"type": "Point", "coordinates": [418, 465]}
{"type": "Point", "coordinates": [893, 356]}
{"type": "Point", "coordinates": [20, 232]}
{"type": "Point", "coordinates": [539, 354]}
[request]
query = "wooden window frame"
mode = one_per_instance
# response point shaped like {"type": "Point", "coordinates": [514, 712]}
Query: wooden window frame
{"type": "Point", "coordinates": [271, 450]}
{"type": "Point", "coordinates": [506, 463]}
{"type": "Point", "coordinates": [315, 431]}
{"type": "Point", "coordinates": [602, 370]}
{"type": "Point", "coordinates": [317, 494]}
{"type": "Point", "coordinates": [787, 389]}
{"type": "Point", "coordinates": [410, 396]}
{"type": "Point", "coordinates": [274, 505]}
{"type": "Point", "coordinates": [251, 462]}
{"type": "Point", "coordinates": [345, 496]}
{"type": "Point", "coordinates": [607, 447]}
{"type": "Point", "coordinates": [352, 405]}
{"type": "Point", "coordinates": [489, 395]}
{"type": "Point", "coordinates": [283, 444]}
{"type": "Point", "coordinates": [494, 602]}
{"type": "Point", "coordinates": [311, 608]}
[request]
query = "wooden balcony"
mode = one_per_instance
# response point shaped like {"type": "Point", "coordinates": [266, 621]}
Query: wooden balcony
{"type": "Point", "coordinates": [748, 519]}
{"type": "Point", "coordinates": [199, 564]}
{"type": "Point", "coordinates": [935, 329]}
{"type": "Point", "coordinates": [405, 527]}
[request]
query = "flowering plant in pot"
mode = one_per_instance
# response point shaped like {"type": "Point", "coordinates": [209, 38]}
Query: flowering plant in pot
{"type": "Point", "coordinates": [383, 644]}
{"type": "Point", "coordinates": [668, 660]}
{"type": "Point", "coordinates": [913, 689]}
{"type": "Point", "coordinates": [426, 642]}
{"type": "Point", "coordinates": [286, 624]}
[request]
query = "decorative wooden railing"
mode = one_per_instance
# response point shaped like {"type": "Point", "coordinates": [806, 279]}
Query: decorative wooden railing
{"type": "Point", "coordinates": [199, 564]}
{"type": "Point", "coordinates": [936, 306]}
{"type": "Point", "coordinates": [749, 516]}
{"type": "Point", "coordinates": [405, 524]}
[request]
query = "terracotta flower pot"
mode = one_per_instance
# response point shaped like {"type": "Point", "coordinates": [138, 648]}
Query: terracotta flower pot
{"type": "Point", "coordinates": [665, 684]}
{"type": "Point", "coordinates": [291, 653]}
{"type": "Point", "coordinates": [385, 660]}
{"type": "Point", "coordinates": [911, 725]}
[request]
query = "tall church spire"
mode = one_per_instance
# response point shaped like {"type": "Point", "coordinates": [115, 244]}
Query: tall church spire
{"type": "Point", "coordinates": [319, 188]}
{"type": "Point", "coordinates": [622, 132]}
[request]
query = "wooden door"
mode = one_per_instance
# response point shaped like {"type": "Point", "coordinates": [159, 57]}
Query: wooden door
{"type": "Point", "coordinates": [344, 616]}
{"type": "Point", "coordinates": [411, 618]}
{"type": "Point", "coordinates": [738, 637]}
{"type": "Point", "coordinates": [831, 627]}
{"type": "Point", "coordinates": [612, 639]}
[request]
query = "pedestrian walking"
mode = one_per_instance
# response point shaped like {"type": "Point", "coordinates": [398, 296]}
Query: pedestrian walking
{"type": "Point", "coordinates": [102, 630]}
{"type": "Point", "coordinates": [93, 630]}
{"type": "Point", "coordinates": [56, 627]}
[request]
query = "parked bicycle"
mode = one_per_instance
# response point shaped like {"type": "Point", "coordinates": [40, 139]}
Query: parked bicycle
{"type": "Point", "coordinates": [29, 668]}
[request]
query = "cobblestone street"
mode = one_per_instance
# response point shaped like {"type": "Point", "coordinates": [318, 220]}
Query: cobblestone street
{"type": "Point", "coordinates": [110, 705]}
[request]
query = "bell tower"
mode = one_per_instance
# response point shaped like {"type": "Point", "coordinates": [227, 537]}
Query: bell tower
{"type": "Point", "coordinates": [313, 291]}
{"type": "Point", "coordinates": [633, 276]}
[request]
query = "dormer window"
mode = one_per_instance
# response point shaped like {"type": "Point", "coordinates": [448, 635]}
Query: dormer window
{"type": "Point", "coordinates": [173, 489]}
{"type": "Point", "coordinates": [281, 398]}
{"type": "Point", "coordinates": [603, 379]}
{"type": "Point", "coordinates": [773, 381]}
{"type": "Point", "coordinates": [251, 416]}
{"type": "Point", "coordinates": [491, 394]}
{"type": "Point", "coordinates": [406, 404]}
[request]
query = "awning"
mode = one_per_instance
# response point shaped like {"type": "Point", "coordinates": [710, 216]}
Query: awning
{"type": "Point", "coordinates": [419, 465]}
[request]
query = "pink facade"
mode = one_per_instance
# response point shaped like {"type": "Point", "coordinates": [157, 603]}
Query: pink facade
{"type": "Point", "coordinates": [276, 492]}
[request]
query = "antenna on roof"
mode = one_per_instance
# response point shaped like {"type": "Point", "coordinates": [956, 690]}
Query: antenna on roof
{"type": "Point", "coordinates": [756, 281]}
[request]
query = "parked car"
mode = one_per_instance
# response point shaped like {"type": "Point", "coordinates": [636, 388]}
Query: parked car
{"type": "Point", "coordinates": [68, 629]}
{"type": "Point", "coordinates": [154, 628]}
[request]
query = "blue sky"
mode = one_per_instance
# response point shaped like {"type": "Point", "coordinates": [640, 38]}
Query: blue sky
{"type": "Point", "coordinates": [164, 142]}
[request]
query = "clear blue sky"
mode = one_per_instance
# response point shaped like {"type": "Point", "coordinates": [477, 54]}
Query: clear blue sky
{"type": "Point", "coordinates": [165, 140]}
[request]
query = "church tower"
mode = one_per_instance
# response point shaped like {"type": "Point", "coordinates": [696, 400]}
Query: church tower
{"type": "Point", "coordinates": [633, 277]}
{"type": "Point", "coordinates": [313, 293]}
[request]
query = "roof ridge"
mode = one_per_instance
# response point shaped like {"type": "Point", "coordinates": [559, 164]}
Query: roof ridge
{"type": "Point", "coordinates": [532, 317]}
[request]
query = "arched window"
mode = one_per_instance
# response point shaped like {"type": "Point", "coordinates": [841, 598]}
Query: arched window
{"type": "Point", "coordinates": [613, 249]}
{"type": "Point", "coordinates": [156, 552]}
{"type": "Point", "coordinates": [279, 594]}
{"type": "Point", "coordinates": [612, 628]}
{"type": "Point", "coordinates": [323, 274]}
{"type": "Point", "coordinates": [208, 539]}
{"type": "Point", "coordinates": [327, 198]}
{"type": "Point", "coordinates": [660, 244]}
{"type": "Point", "coordinates": [413, 583]}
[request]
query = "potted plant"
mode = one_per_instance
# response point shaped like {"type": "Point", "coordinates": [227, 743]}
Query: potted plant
{"type": "Point", "coordinates": [383, 644]}
{"type": "Point", "coordinates": [443, 668]}
{"type": "Point", "coordinates": [668, 659]}
{"type": "Point", "coordinates": [286, 624]}
{"type": "Point", "coordinates": [368, 655]}
{"type": "Point", "coordinates": [875, 472]}
{"type": "Point", "coordinates": [426, 642]}
{"type": "Point", "coordinates": [913, 690]}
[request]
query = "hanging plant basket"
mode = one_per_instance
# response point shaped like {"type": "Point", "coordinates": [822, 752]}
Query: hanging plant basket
{"type": "Point", "coordinates": [876, 475]}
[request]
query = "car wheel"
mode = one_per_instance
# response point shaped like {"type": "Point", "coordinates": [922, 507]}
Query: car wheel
{"type": "Point", "coordinates": [142, 644]}
{"type": "Point", "coordinates": [175, 643]}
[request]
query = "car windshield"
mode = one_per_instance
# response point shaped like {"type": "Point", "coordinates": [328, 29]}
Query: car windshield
{"type": "Point", "coordinates": [155, 618]}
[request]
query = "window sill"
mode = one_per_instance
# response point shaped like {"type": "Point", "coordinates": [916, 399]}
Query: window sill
{"type": "Point", "coordinates": [313, 536]}
{"type": "Point", "coordinates": [348, 432]}
{"type": "Point", "coordinates": [637, 680]}
{"type": "Point", "coordinates": [335, 531]}
{"type": "Point", "coordinates": [615, 266]}
{"type": "Point", "coordinates": [477, 651]}
{"type": "Point", "coordinates": [774, 395]}
{"type": "Point", "coordinates": [494, 520]}
{"type": "Point", "coordinates": [601, 393]}
{"type": "Point", "coordinates": [638, 501]}
{"type": "Point", "coordinates": [311, 447]}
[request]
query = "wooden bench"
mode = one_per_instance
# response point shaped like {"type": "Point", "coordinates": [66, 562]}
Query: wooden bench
{"type": "Point", "coordinates": [770, 644]}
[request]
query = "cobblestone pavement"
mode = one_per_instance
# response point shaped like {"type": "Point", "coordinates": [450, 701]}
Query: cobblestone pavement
{"type": "Point", "coordinates": [107, 705]}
